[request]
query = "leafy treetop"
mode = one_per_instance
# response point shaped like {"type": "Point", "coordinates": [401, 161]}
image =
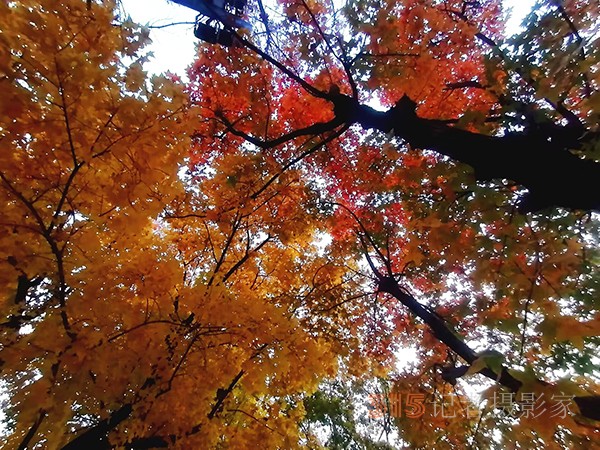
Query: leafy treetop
{"type": "Point", "coordinates": [241, 259]}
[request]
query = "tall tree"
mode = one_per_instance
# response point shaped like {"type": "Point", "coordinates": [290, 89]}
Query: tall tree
{"type": "Point", "coordinates": [347, 186]}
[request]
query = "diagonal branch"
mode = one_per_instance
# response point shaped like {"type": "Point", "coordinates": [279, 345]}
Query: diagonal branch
{"type": "Point", "coordinates": [437, 325]}
{"type": "Point", "coordinates": [245, 258]}
{"type": "Point", "coordinates": [311, 130]}
{"type": "Point", "coordinates": [301, 81]}
{"type": "Point", "coordinates": [33, 430]}
{"type": "Point", "coordinates": [366, 234]}
{"type": "Point", "coordinates": [589, 405]}
{"type": "Point", "coordinates": [223, 393]}
{"type": "Point", "coordinates": [299, 158]}
{"type": "Point", "coordinates": [344, 64]}
{"type": "Point", "coordinates": [559, 107]}
{"type": "Point", "coordinates": [563, 13]}
{"type": "Point", "coordinates": [96, 437]}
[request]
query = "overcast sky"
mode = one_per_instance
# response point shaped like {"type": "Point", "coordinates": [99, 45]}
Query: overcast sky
{"type": "Point", "coordinates": [174, 46]}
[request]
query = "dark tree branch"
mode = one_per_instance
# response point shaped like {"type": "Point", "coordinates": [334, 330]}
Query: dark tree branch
{"type": "Point", "coordinates": [539, 161]}
{"type": "Point", "coordinates": [301, 81]}
{"type": "Point", "coordinates": [559, 107]}
{"type": "Point", "coordinates": [166, 25]}
{"type": "Point", "coordinates": [543, 164]}
{"type": "Point", "coordinates": [149, 442]}
{"type": "Point", "coordinates": [245, 258]}
{"type": "Point", "coordinates": [311, 130]}
{"type": "Point", "coordinates": [265, 21]}
{"type": "Point", "coordinates": [363, 55]}
{"type": "Point", "coordinates": [234, 229]}
{"type": "Point", "coordinates": [589, 406]}
{"type": "Point", "coordinates": [563, 13]}
{"type": "Point", "coordinates": [96, 437]}
{"type": "Point", "coordinates": [33, 430]}
{"type": "Point", "coordinates": [222, 395]}
{"type": "Point", "coordinates": [435, 323]}
{"type": "Point", "coordinates": [465, 84]}
{"type": "Point", "coordinates": [299, 158]}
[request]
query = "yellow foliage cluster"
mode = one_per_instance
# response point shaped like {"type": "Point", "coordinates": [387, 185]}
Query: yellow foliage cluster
{"type": "Point", "coordinates": [106, 302]}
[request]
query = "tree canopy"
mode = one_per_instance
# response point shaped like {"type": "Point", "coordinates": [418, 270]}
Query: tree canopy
{"type": "Point", "coordinates": [364, 224]}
